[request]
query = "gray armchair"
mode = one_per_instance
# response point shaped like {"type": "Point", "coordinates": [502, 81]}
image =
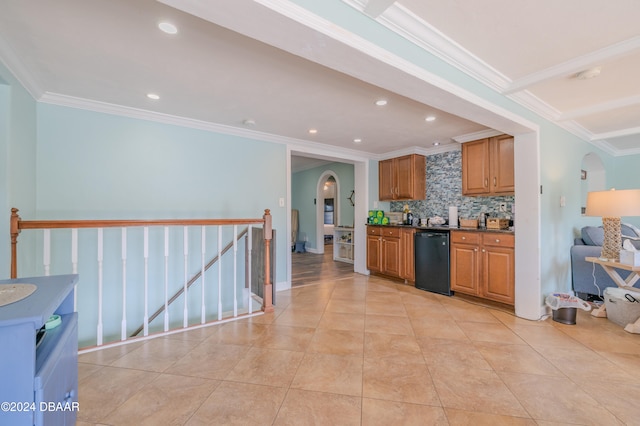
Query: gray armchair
{"type": "Point", "coordinates": [583, 272]}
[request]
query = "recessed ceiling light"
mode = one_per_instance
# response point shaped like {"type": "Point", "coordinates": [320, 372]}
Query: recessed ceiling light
{"type": "Point", "coordinates": [153, 96]}
{"type": "Point", "coordinates": [357, 140]}
{"type": "Point", "coordinates": [436, 143]}
{"type": "Point", "coordinates": [168, 27]}
{"type": "Point", "coordinates": [313, 131]}
{"type": "Point", "coordinates": [430, 118]}
{"type": "Point", "coordinates": [381, 102]}
{"type": "Point", "coordinates": [249, 122]}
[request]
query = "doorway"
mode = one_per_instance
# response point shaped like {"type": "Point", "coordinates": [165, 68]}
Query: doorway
{"type": "Point", "coordinates": [328, 209]}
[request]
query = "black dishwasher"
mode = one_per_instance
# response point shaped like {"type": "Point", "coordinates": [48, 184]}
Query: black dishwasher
{"type": "Point", "coordinates": [432, 261]}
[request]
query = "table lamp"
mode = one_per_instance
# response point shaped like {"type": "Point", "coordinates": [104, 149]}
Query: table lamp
{"type": "Point", "coordinates": [611, 205]}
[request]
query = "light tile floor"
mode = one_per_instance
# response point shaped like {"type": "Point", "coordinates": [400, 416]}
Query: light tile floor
{"type": "Point", "coordinates": [369, 351]}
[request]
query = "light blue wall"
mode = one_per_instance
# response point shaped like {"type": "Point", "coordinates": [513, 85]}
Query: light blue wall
{"type": "Point", "coordinates": [93, 165]}
{"type": "Point", "coordinates": [303, 192]}
{"type": "Point", "coordinates": [5, 93]}
{"type": "Point", "coordinates": [17, 162]}
{"type": "Point", "coordinates": [100, 166]}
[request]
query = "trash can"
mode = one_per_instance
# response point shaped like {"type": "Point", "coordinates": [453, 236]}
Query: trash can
{"type": "Point", "coordinates": [565, 306]}
{"type": "Point", "coordinates": [299, 247]}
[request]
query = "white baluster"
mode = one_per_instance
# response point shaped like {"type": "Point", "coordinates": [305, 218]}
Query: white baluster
{"type": "Point", "coordinates": [249, 250]}
{"type": "Point", "coordinates": [146, 281]}
{"type": "Point", "coordinates": [185, 234]}
{"type": "Point", "coordinates": [123, 332]}
{"type": "Point", "coordinates": [219, 272]}
{"type": "Point", "coordinates": [74, 264]}
{"type": "Point", "coordinates": [203, 260]}
{"type": "Point", "coordinates": [100, 259]}
{"type": "Point", "coordinates": [166, 278]}
{"type": "Point", "coordinates": [235, 271]}
{"type": "Point", "coordinates": [46, 257]}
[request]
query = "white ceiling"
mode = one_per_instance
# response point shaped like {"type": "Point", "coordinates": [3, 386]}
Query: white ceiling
{"type": "Point", "coordinates": [265, 61]}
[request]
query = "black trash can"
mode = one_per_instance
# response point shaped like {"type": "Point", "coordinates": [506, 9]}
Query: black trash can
{"type": "Point", "coordinates": [565, 315]}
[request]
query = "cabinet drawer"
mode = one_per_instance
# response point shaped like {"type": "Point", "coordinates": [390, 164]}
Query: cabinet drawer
{"type": "Point", "coordinates": [499, 240]}
{"type": "Point", "coordinates": [465, 237]}
{"type": "Point", "coordinates": [374, 230]}
{"type": "Point", "coordinates": [390, 232]}
{"type": "Point", "coordinates": [56, 379]}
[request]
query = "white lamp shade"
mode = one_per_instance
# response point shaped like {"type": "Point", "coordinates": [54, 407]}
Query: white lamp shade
{"type": "Point", "coordinates": [613, 203]}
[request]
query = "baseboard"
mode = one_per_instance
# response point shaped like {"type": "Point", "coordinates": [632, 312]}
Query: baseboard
{"type": "Point", "coordinates": [283, 285]}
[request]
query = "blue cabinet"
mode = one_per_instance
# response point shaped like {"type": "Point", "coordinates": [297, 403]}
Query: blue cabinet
{"type": "Point", "coordinates": [39, 384]}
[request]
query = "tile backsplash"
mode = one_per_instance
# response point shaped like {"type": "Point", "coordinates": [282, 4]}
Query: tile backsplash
{"type": "Point", "coordinates": [444, 189]}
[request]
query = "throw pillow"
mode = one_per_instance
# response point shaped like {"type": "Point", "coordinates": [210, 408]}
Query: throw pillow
{"type": "Point", "coordinates": [593, 235]}
{"type": "Point", "coordinates": [629, 230]}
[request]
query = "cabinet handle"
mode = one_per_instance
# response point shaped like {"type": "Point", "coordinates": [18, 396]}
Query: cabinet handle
{"type": "Point", "coordinates": [475, 249]}
{"type": "Point", "coordinates": [497, 240]}
{"type": "Point", "coordinates": [495, 181]}
{"type": "Point", "coordinates": [464, 238]}
{"type": "Point", "coordinates": [486, 182]}
{"type": "Point", "coordinates": [484, 251]}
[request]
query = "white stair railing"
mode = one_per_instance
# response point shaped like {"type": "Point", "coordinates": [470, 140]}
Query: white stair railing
{"type": "Point", "coordinates": [138, 286]}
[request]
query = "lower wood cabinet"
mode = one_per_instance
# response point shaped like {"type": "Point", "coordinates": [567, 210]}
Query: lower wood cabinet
{"type": "Point", "coordinates": [483, 265]}
{"type": "Point", "coordinates": [407, 258]}
{"type": "Point", "coordinates": [390, 251]}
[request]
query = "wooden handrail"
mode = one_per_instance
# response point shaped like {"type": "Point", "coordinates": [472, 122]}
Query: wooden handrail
{"type": "Point", "coordinates": [17, 225]}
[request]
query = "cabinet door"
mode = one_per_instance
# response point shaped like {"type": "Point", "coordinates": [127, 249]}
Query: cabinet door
{"type": "Point", "coordinates": [498, 274]}
{"type": "Point", "coordinates": [407, 255]}
{"type": "Point", "coordinates": [374, 253]}
{"type": "Point", "coordinates": [391, 256]}
{"type": "Point", "coordinates": [502, 165]}
{"type": "Point", "coordinates": [475, 167]}
{"type": "Point", "coordinates": [464, 268]}
{"type": "Point", "coordinates": [386, 180]}
{"type": "Point", "coordinates": [411, 177]}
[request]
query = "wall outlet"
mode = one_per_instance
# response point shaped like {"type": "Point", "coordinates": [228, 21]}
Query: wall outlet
{"type": "Point", "coordinates": [281, 202]}
{"type": "Point", "coordinates": [503, 207]}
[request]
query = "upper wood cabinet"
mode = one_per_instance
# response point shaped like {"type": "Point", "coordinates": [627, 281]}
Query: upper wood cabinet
{"type": "Point", "coordinates": [402, 178]}
{"type": "Point", "coordinates": [488, 166]}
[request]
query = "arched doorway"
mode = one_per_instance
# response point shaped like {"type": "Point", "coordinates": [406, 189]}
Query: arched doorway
{"type": "Point", "coordinates": [327, 208]}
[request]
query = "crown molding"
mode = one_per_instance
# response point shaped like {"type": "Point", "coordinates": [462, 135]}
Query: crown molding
{"type": "Point", "coordinates": [141, 114]}
{"type": "Point", "coordinates": [601, 107]}
{"type": "Point", "coordinates": [11, 61]}
{"type": "Point", "coordinates": [375, 7]}
{"type": "Point", "coordinates": [440, 149]}
{"type": "Point", "coordinates": [606, 147]}
{"type": "Point", "coordinates": [404, 22]}
{"type": "Point", "coordinates": [447, 147]}
{"type": "Point", "coordinates": [477, 135]}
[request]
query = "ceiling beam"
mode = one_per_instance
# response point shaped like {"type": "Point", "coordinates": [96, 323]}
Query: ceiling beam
{"type": "Point", "coordinates": [616, 134]}
{"type": "Point", "coordinates": [375, 8]}
{"type": "Point", "coordinates": [572, 66]}
{"type": "Point", "coordinates": [600, 108]}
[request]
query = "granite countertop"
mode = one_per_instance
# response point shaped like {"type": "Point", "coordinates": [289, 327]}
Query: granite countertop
{"type": "Point", "coordinates": [447, 228]}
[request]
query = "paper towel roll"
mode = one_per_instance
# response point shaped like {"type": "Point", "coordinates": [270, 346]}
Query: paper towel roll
{"type": "Point", "coordinates": [453, 217]}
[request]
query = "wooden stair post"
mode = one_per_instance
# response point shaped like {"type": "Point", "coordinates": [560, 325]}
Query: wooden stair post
{"type": "Point", "coordinates": [267, 299]}
{"type": "Point", "coordinates": [14, 230]}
